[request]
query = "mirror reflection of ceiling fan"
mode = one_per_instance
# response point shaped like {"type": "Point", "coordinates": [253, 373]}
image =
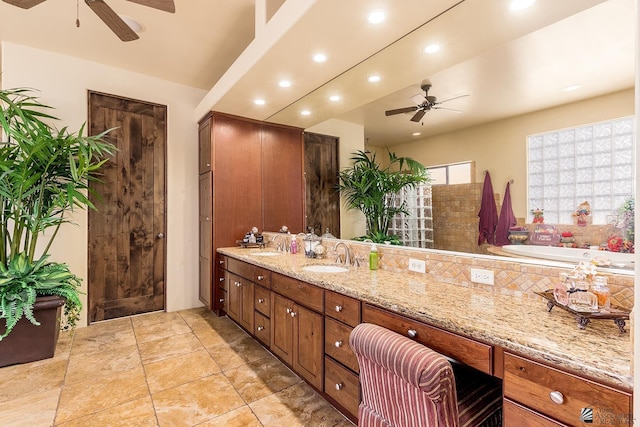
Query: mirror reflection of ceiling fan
{"type": "Point", "coordinates": [108, 15]}
{"type": "Point", "coordinates": [424, 103]}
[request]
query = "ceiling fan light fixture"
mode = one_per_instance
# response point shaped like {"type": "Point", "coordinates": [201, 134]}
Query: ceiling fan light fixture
{"type": "Point", "coordinates": [521, 4]}
{"type": "Point", "coordinates": [432, 48]}
{"type": "Point", "coordinates": [135, 25]}
{"type": "Point", "coordinates": [377, 16]}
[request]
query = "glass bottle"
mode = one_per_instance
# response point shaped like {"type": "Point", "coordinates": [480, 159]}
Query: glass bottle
{"type": "Point", "coordinates": [601, 289]}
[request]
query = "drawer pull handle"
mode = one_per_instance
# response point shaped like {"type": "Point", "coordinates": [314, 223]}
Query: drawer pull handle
{"type": "Point", "coordinates": [260, 277]}
{"type": "Point", "coordinates": [412, 333]}
{"type": "Point", "coordinates": [556, 397]}
{"type": "Point", "coordinates": [338, 308]}
{"type": "Point", "coordinates": [261, 300]}
{"type": "Point", "coordinates": [293, 313]}
{"type": "Point", "coordinates": [339, 386]}
{"type": "Point", "coordinates": [338, 344]}
{"type": "Point", "coordinates": [221, 262]}
{"type": "Point", "coordinates": [221, 279]}
{"type": "Point", "coordinates": [260, 328]}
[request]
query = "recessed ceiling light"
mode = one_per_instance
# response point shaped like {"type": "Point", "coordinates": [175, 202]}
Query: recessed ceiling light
{"type": "Point", "coordinates": [132, 23]}
{"type": "Point", "coordinates": [376, 17]}
{"type": "Point", "coordinates": [320, 57]}
{"type": "Point", "coordinates": [521, 4]}
{"type": "Point", "coordinates": [305, 112]}
{"type": "Point", "coordinates": [432, 48]}
{"type": "Point", "coordinates": [416, 134]}
{"type": "Point", "coordinates": [373, 79]}
{"type": "Point", "coordinates": [334, 98]}
{"type": "Point", "coordinates": [571, 88]}
{"type": "Point", "coordinates": [259, 101]}
{"type": "Point", "coordinates": [284, 83]}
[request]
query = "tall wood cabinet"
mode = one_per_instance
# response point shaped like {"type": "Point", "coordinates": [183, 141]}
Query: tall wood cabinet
{"type": "Point", "coordinates": [250, 175]}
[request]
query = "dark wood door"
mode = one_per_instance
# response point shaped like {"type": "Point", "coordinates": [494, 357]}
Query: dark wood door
{"type": "Point", "coordinates": [127, 253]}
{"type": "Point", "coordinates": [321, 169]}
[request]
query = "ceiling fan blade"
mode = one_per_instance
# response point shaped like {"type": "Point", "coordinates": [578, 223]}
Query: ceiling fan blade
{"type": "Point", "coordinates": [400, 111]}
{"type": "Point", "coordinates": [418, 99]}
{"type": "Point", "coordinates": [445, 108]}
{"type": "Point", "coordinates": [418, 116]}
{"type": "Point", "coordinates": [112, 20]}
{"type": "Point", "coordinates": [451, 99]}
{"type": "Point", "coordinates": [24, 4]}
{"type": "Point", "coordinates": [164, 5]}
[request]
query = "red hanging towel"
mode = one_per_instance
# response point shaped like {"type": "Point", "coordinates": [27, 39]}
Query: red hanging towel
{"type": "Point", "coordinates": [488, 213]}
{"type": "Point", "coordinates": [507, 219]}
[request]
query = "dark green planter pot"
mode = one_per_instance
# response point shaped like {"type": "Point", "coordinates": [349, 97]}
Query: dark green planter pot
{"type": "Point", "coordinates": [28, 342]}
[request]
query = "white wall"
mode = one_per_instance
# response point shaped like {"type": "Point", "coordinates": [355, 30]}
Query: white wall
{"type": "Point", "coordinates": [352, 222]}
{"type": "Point", "coordinates": [63, 82]}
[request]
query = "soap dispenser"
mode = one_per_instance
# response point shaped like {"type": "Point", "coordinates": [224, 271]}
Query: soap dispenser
{"type": "Point", "coordinates": [373, 257]}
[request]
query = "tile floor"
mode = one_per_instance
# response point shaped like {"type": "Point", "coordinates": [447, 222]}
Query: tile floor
{"type": "Point", "coordinates": [186, 368]}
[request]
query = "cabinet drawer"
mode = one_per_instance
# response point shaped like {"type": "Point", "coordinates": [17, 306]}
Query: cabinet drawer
{"type": "Point", "coordinates": [222, 299]}
{"type": "Point", "coordinates": [342, 308]}
{"type": "Point", "coordinates": [532, 384]}
{"type": "Point", "coordinates": [252, 272]}
{"type": "Point", "coordinates": [302, 293]}
{"type": "Point", "coordinates": [261, 328]}
{"type": "Point", "coordinates": [263, 300]}
{"type": "Point", "coordinates": [473, 353]}
{"type": "Point", "coordinates": [514, 414]}
{"type": "Point", "coordinates": [342, 385]}
{"type": "Point", "coordinates": [336, 343]}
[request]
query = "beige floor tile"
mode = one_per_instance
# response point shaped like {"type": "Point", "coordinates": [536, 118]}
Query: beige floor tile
{"type": "Point", "coordinates": [154, 351]}
{"type": "Point", "coordinates": [21, 380]}
{"type": "Point", "coordinates": [299, 406]}
{"type": "Point", "coordinates": [261, 378]}
{"type": "Point", "coordinates": [95, 365]}
{"type": "Point", "coordinates": [31, 410]}
{"type": "Point", "coordinates": [196, 402]}
{"type": "Point", "coordinates": [138, 413]}
{"type": "Point", "coordinates": [178, 370]}
{"type": "Point", "coordinates": [206, 334]}
{"type": "Point", "coordinates": [63, 346]}
{"type": "Point", "coordinates": [173, 325]}
{"type": "Point", "coordinates": [237, 353]}
{"type": "Point", "coordinates": [196, 314]}
{"type": "Point", "coordinates": [103, 336]}
{"type": "Point", "coordinates": [241, 417]}
{"type": "Point", "coordinates": [88, 397]}
{"type": "Point", "coordinates": [153, 318]}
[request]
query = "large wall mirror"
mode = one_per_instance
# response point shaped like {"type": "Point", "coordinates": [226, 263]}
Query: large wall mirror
{"type": "Point", "coordinates": [516, 68]}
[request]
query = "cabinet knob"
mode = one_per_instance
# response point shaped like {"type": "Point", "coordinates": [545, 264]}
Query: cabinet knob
{"type": "Point", "coordinates": [261, 300]}
{"type": "Point", "coordinates": [238, 284]}
{"type": "Point", "coordinates": [338, 308]}
{"type": "Point", "coordinates": [160, 235]}
{"type": "Point", "coordinates": [260, 277]}
{"type": "Point", "coordinates": [339, 386]}
{"type": "Point", "coordinates": [260, 328]}
{"type": "Point", "coordinates": [293, 313]}
{"type": "Point", "coordinates": [208, 219]}
{"type": "Point", "coordinates": [556, 397]}
{"type": "Point", "coordinates": [338, 344]}
{"type": "Point", "coordinates": [221, 279]}
{"type": "Point", "coordinates": [221, 300]}
{"type": "Point", "coordinates": [288, 310]}
{"type": "Point", "coordinates": [221, 262]}
{"type": "Point", "coordinates": [208, 164]}
{"type": "Point", "coordinates": [412, 333]}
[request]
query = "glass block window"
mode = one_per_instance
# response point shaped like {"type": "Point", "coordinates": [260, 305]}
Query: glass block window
{"type": "Point", "coordinates": [592, 163]}
{"type": "Point", "coordinates": [415, 229]}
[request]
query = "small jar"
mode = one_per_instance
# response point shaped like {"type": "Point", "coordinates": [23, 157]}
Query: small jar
{"type": "Point", "coordinates": [601, 289]}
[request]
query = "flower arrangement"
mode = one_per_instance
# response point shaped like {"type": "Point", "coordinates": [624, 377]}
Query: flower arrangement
{"type": "Point", "coordinates": [538, 215]}
{"type": "Point", "coordinates": [585, 270]}
{"type": "Point", "coordinates": [584, 210]}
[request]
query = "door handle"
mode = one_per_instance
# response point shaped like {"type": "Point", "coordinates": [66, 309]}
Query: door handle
{"type": "Point", "coordinates": [160, 235]}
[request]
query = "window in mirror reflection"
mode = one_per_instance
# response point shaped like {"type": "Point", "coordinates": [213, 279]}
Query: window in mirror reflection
{"type": "Point", "coordinates": [455, 173]}
{"type": "Point", "coordinates": [592, 163]}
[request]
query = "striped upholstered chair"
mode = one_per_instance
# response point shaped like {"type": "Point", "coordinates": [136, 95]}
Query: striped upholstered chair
{"type": "Point", "coordinates": [405, 384]}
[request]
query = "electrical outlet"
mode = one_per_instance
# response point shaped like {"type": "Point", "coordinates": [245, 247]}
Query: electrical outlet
{"type": "Point", "coordinates": [482, 276]}
{"type": "Point", "coordinates": [417, 265]}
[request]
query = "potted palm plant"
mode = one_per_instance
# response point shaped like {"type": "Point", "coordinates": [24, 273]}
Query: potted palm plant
{"type": "Point", "coordinates": [44, 174]}
{"type": "Point", "coordinates": [374, 190]}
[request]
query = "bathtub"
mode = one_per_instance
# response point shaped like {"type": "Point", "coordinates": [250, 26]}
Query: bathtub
{"type": "Point", "coordinates": [555, 253]}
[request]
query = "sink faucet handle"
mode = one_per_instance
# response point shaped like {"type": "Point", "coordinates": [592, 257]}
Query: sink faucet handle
{"type": "Point", "coordinates": [357, 260]}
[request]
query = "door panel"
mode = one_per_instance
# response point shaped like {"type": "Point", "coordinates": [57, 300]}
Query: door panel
{"type": "Point", "coordinates": [308, 344]}
{"type": "Point", "coordinates": [126, 234]}
{"type": "Point", "coordinates": [281, 328]}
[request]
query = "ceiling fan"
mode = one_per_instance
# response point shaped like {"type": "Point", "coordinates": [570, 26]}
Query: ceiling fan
{"type": "Point", "coordinates": [423, 103]}
{"type": "Point", "coordinates": [108, 15]}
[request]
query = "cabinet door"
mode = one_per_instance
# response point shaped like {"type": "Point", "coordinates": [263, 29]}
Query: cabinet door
{"type": "Point", "coordinates": [282, 328]}
{"type": "Point", "coordinates": [204, 291]}
{"type": "Point", "coordinates": [308, 345]}
{"type": "Point", "coordinates": [234, 296]}
{"type": "Point", "coordinates": [205, 237]}
{"type": "Point", "coordinates": [204, 145]}
{"type": "Point", "coordinates": [246, 306]}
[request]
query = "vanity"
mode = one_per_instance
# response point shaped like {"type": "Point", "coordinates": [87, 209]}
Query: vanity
{"type": "Point", "coordinates": [553, 373]}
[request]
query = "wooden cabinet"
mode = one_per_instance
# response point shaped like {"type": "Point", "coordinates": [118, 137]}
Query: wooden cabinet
{"type": "Point", "coordinates": [240, 306]}
{"type": "Point", "coordinates": [250, 175]}
{"type": "Point", "coordinates": [297, 333]}
{"type": "Point", "coordinates": [547, 393]}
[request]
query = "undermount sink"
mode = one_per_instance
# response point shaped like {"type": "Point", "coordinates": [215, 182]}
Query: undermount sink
{"type": "Point", "coordinates": [265, 253]}
{"type": "Point", "coordinates": [325, 269]}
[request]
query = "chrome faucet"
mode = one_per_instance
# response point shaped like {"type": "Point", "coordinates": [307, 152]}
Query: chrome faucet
{"type": "Point", "coordinates": [282, 244]}
{"type": "Point", "coordinates": [347, 253]}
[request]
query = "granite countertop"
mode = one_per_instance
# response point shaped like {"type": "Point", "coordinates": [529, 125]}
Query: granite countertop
{"type": "Point", "coordinates": [513, 323]}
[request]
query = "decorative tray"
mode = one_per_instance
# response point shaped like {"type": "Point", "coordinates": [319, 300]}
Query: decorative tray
{"type": "Point", "coordinates": [250, 245]}
{"type": "Point", "coordinates": [617, 314]}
